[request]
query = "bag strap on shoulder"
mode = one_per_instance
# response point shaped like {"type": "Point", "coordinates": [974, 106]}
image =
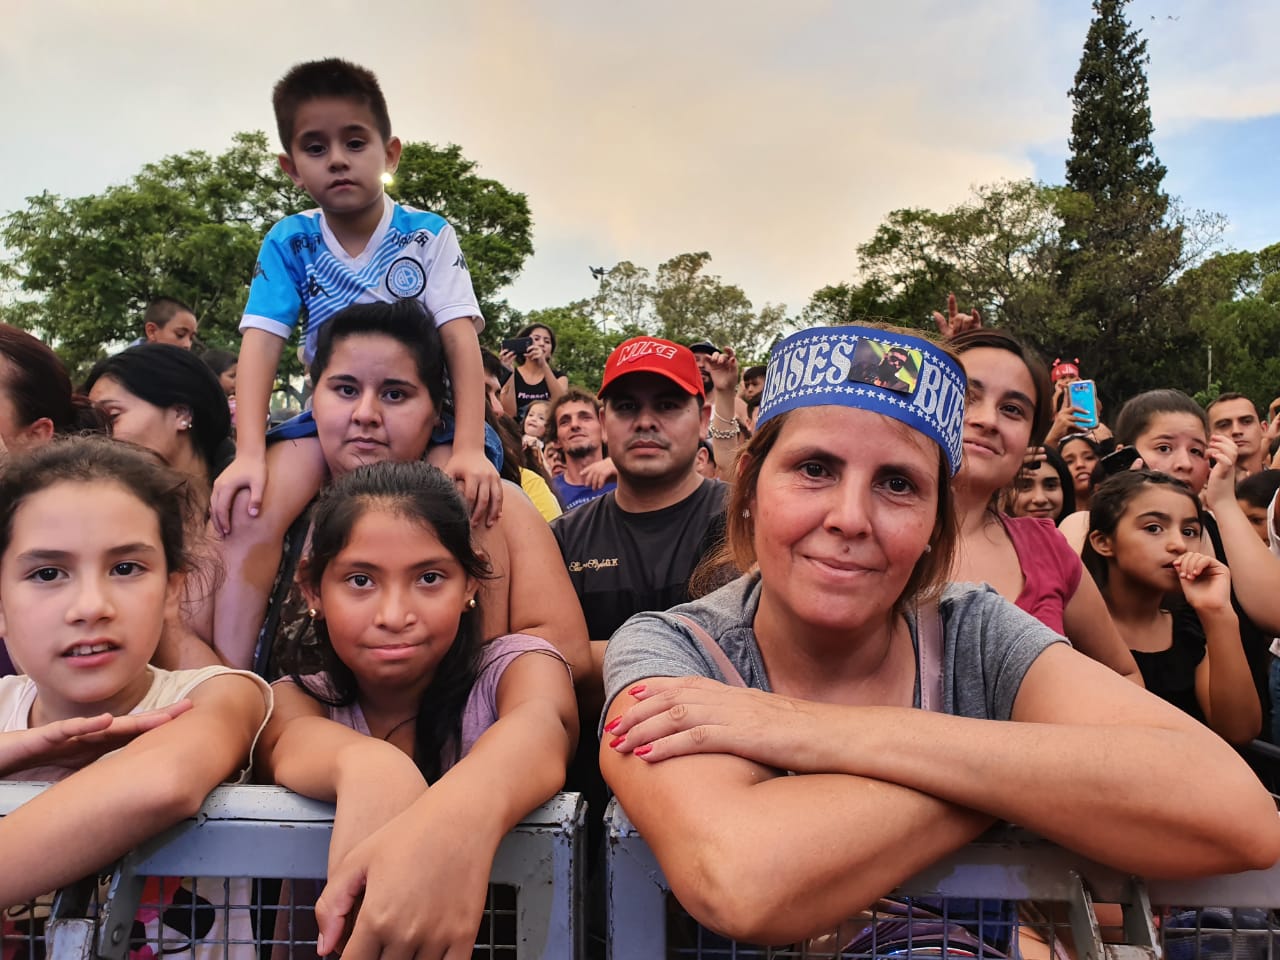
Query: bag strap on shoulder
{"type": "Point", "coordinates": [929, 655]}
{"type": "Point", "coordinates": [731, 675]}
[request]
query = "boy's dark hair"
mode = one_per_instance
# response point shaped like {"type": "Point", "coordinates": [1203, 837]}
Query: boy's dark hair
{"type": "Point", "coordinates": [406, 321]}
{"type": "Point", "coordinates": [327, 78]}
{"type": "Point", "coordinates": [1230, 395]}
{"type": "Point", "coordinates": [752, 372]}
{"type": "Point", "coordinates": [1042, 417]}
{"type": "Point", "coordinates": [428, 499]}
{"type": "Point", "coordinates": [1138, 412]}
{"type": "Point", "coordinates": [163, 309]}
{"type": "Point", "coordinates": [39, 386]}
{"type": "Point", "coordinates": [97, 460]}
{"type": "Point", "coordinates": [167, 376]}
{"type": "Point", "coordinates": [1111, 500]}
{"type": "Point", "coordinates": [572, 395]}
{"type": "Point", "coordinates": [1259, 489]}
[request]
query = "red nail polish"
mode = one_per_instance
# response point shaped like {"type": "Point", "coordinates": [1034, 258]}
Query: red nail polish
{"type": "Point", "coordinates": [617, 740]}
{"type": "Point", "coordinates": [636, 690]}
{"type": "Point", "coordinates": [641, 751]}
{"type": "Point", "coordinates": [608, 727]}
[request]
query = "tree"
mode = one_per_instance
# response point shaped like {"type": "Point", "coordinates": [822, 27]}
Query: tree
{"type": "Point", "coordinates": [690, 305]}
{"type": "Point", "coordinates": [494, 225]}
{"type": "Point", "coordinates": [1124, 245]}
{"type": "Point", "coordinates": [581, 346]}
{"type": "Point", "coordinates": [998, 251]}
{"type": "Point", "coordinates": [190, 226]}
{"type": "Point", "coordinates": [1242, 325]}
{"type": "Point", "coordinates": [625, 297]}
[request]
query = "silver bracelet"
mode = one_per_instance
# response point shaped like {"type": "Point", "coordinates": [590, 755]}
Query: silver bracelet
{"type": "Point", "coordinates": [715, 434]}
{"type": "Point", "coordinates": [716, 416]}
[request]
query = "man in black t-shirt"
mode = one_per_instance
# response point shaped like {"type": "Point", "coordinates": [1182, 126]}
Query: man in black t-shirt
{"type": "Point", "coordinates": [635, 548]}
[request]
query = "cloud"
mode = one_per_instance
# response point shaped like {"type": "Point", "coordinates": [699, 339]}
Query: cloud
{"type": "Point", "coordinates": [774, 136]}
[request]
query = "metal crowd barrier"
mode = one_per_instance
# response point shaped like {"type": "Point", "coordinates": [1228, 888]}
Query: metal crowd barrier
{"type": "Point", "coordinates": [1059, 906]}
{"type": "Point", "coordinates": [1049, 904]}
{"type": "Point", "coordinates": [534, 908]}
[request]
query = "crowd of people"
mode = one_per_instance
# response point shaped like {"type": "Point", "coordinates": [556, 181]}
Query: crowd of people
{"type": "Point", "coordinates": [913, 573]}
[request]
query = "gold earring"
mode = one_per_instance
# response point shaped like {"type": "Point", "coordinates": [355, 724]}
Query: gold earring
{"type": "Point", "coordinates": [471, 604]}
{"type": "Point", "coordinates": [313, 613]}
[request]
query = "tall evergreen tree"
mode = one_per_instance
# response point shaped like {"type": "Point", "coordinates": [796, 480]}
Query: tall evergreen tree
{"type": "Point", "coordinates": [1111, 153]}
{"type": "Point", "coordinates": [1122, 244]}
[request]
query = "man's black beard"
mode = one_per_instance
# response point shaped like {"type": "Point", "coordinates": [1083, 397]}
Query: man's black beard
{"type": "Point", "coordinates": [581, 453]}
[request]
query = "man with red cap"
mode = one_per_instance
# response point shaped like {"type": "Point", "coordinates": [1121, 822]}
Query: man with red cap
{"type": "Point", "coordinates": [634, 549]}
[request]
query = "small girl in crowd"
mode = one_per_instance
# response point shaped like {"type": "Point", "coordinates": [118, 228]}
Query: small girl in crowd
{"type": "Point", "coordinates": [535, 435]}
{"type": "Point", "coordinates": [535, 420]}
{"type": "Point", "coordinates": [92, 558]}
{"type": "Point", "coordinates": [399, 693]}
{"type": "Point", "coordinates": [1143, 547]}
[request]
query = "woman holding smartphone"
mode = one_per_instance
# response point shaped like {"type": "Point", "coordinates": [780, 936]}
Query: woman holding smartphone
{"type": "Point", "coordinates": [532, 377]}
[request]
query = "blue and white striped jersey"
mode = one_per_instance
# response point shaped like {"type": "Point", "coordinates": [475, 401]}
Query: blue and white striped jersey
{"type": "Point", "coordinates": [303, 274]}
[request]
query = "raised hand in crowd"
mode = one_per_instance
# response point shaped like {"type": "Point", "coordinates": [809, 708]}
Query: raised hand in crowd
{"type": "Point", "coordinates": [955, 322]}
{"type": "Point", "coordinates": [728, 410]}
{"type": "Point", "coordinates": [600, 473]}
{"type": "Point", "coordinates": [1271, 432]}
{"type": "Point", "coordinates": [1069, 419]}
{"type": "Point", "coordinates": [1221, 485]}
{"type": "Point", "coordinates": [536, 355]}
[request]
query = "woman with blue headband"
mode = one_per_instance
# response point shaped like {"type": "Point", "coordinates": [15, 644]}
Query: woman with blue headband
{"type": "Point", "coordinates": [913, 714]}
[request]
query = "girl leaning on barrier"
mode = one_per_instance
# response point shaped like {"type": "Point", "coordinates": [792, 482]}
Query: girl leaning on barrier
{"type": "Point", "coordinates": [840, 629]}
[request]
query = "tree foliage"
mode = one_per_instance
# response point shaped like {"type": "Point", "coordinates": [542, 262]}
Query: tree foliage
{"type": "Point", "coordinates": [1111, 153]}
{"type": "Point", "coordinates": [187, 226]}
{"type": "Point", "coordinates": [679, 301]}
{"type": "Point", "coordinates": [1102, 268]}
{"type": "Point", "coordinates": [1241, 324]}
{"type": "Point", "coordinates": [494, 225]}
{"type": "Point", "coordinates": [582, 344]}
{"type": "Point", "coordinates": [1124, 245]}
{"type": "Point", "coordinates": [190, 225]}
{"type": "Point", "coordinates": [997, 251]}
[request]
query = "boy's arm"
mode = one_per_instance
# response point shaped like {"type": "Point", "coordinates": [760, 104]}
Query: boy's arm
{"type": "Point", "coordinates": [99, 813]}
{"type": "Point", "coordinates": [259, 359]}
{"type": "Point", "coordinates": [481, 485]}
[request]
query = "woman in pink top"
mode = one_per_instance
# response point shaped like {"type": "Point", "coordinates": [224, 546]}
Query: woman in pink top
{"type": "Point", "coordinates": [1025, 558]}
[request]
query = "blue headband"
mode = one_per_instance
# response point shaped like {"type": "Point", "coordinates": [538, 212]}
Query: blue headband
{"type": "Point", "coordinates": [904, 377]}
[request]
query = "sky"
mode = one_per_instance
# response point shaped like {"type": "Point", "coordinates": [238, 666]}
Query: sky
{"type": "Point", "coordinates": [775, 135]}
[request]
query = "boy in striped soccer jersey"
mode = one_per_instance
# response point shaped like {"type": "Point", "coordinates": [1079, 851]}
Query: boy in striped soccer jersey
{"type": "Point", "coordinates": [359, 246]}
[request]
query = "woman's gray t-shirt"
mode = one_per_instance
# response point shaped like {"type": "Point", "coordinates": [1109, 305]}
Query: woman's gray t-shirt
{"type": "Point", "coordinates": [988, 646]}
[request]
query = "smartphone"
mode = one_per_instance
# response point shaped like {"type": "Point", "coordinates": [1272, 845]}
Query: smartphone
{"type": "Point", "coordinates": [1084, 395]}
{"type": "Point", "coordinates": [518, 345]}
{"type": "Point", "coordinates": [1119, 461]}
